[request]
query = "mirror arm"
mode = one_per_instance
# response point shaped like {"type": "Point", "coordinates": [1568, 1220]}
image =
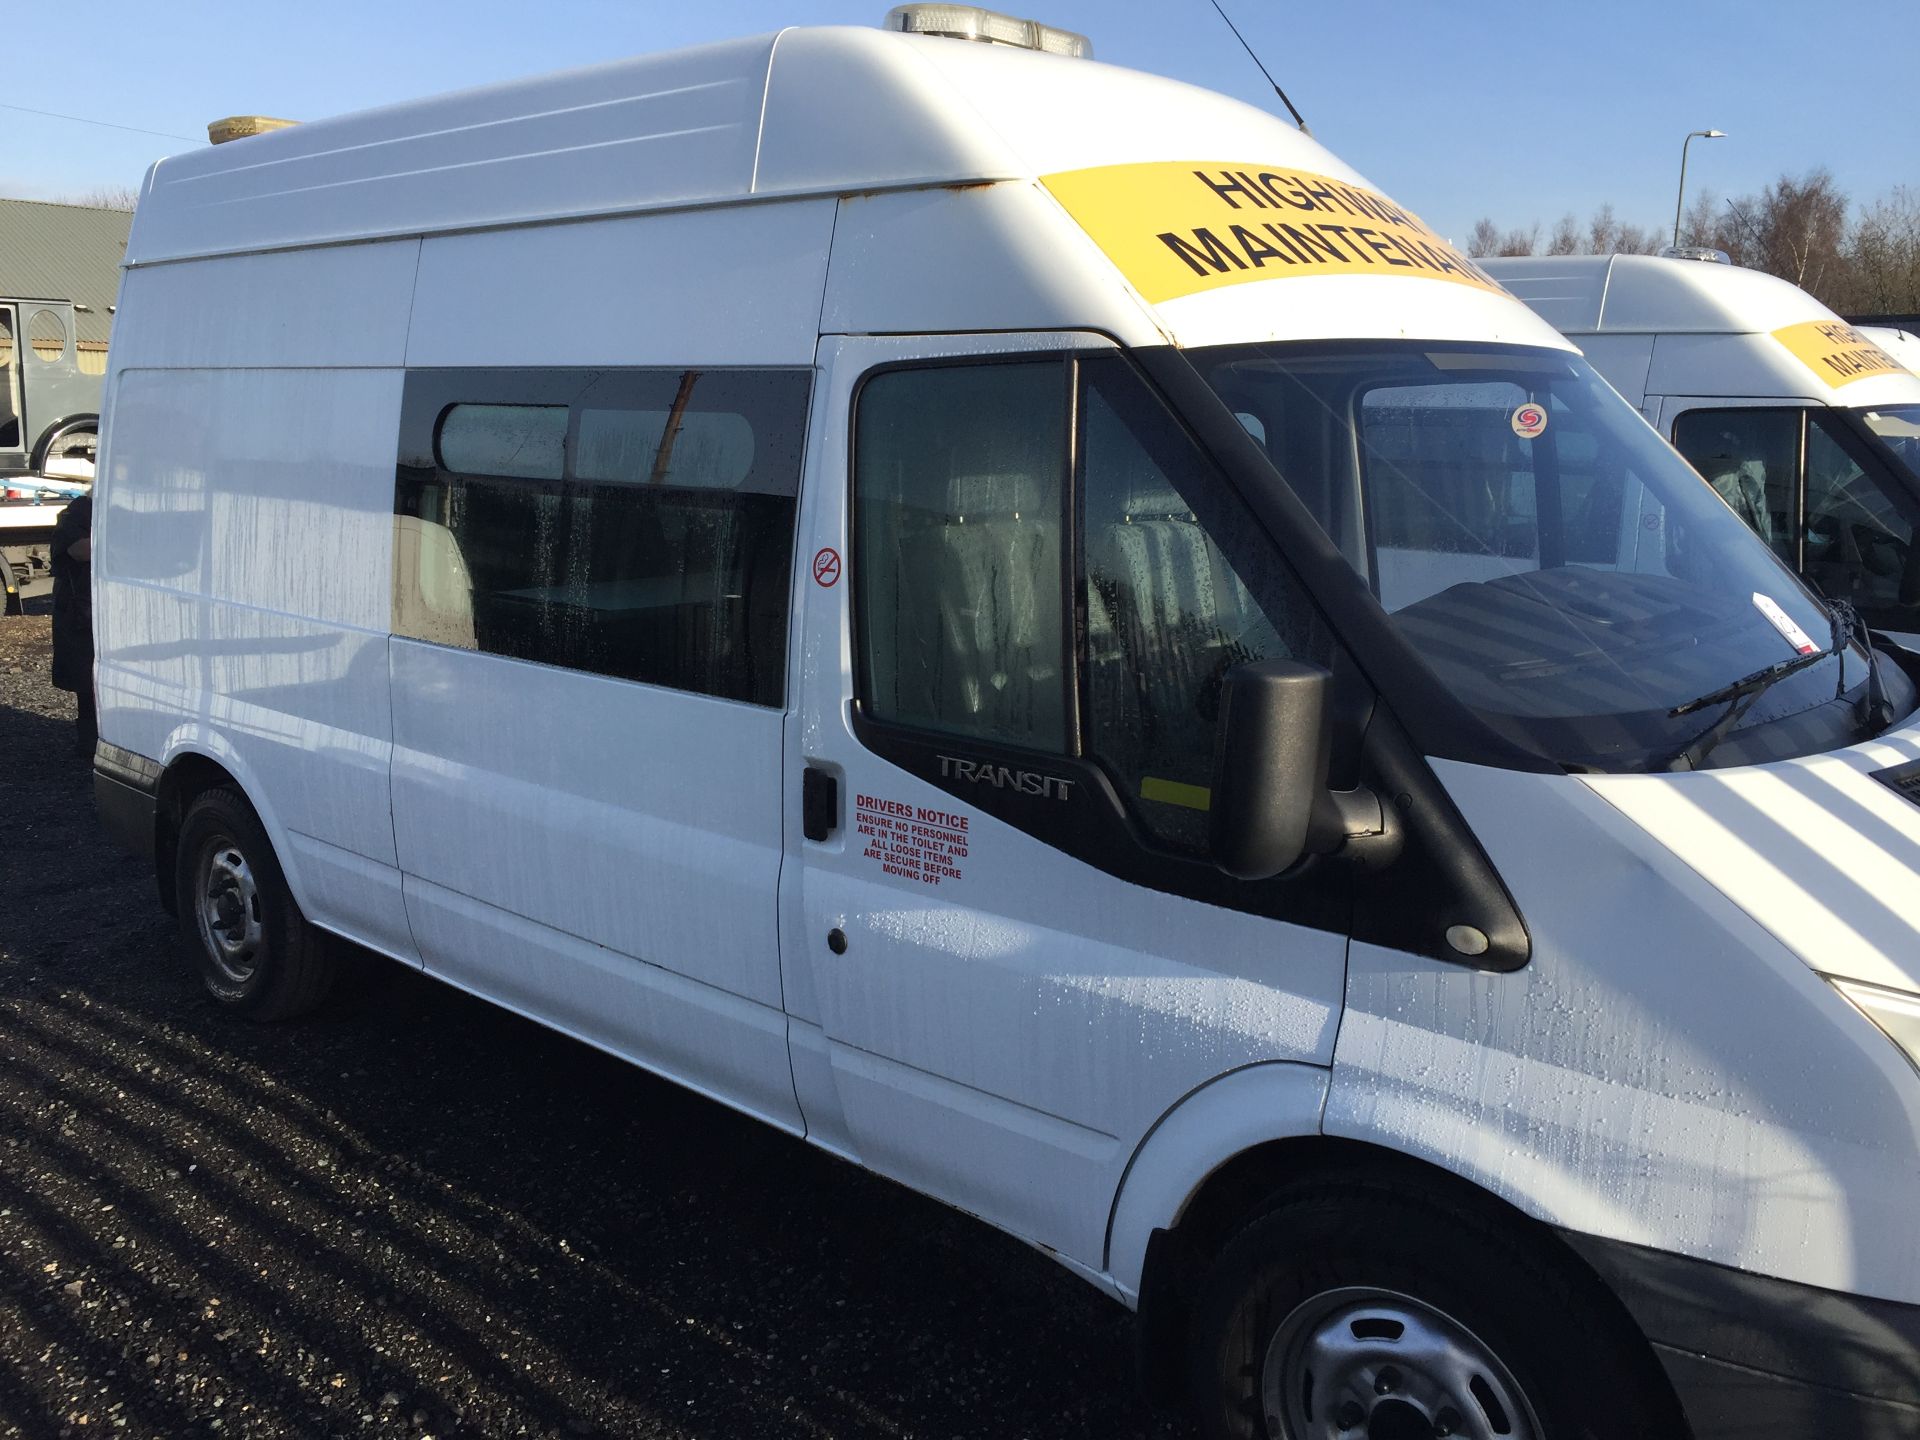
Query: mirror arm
{"type": "Point", "coordinates": [1357, 826]}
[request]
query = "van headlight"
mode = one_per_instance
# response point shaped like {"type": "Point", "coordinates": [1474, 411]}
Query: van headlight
{"type": "Point", "coordinates": [1895, 1011]}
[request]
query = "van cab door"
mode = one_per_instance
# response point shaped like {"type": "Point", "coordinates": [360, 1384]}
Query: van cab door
{"type": "Point", "coordinates": [1006, 953]}
{"type": "Point", "coordinates": [1816, 494]}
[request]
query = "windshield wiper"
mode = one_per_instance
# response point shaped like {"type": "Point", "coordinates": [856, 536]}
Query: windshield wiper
{"type": "Point", "coordinates": [1875, 710]}
{"type": "Point", "coordinates": [1739, 697]}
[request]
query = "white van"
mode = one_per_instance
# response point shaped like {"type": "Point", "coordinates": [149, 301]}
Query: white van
{"type": "Point", "coordinates": [1804, 424]}
{"type": "Point", "coordinates": [1018, 620]}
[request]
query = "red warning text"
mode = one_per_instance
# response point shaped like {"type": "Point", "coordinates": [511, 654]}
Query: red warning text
{"type": "Point", "coordinates": [913, 842]}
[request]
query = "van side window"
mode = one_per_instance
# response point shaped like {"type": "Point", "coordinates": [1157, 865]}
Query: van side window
{"type": "Point", "coordinates": [958, 506]}
{"type": "Point", "coordinates": [635, 524]}
{"type": "Point", "coordinates": [965, 569]}
{"type": "Point", "coordinates": [1167, 612]}
{"type": "Point", "coordinates": [1752, 458]}
{"type": "Point", "coordinates": [1859, 541]}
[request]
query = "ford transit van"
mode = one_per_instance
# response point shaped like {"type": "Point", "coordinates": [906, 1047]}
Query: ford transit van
{"type": "Point", "coordinates": [1023, 622]}
{"type": "Point", "coordinates": [1804, 424]}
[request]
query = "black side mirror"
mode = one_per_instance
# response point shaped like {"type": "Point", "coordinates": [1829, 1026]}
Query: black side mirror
{"type": "Point", "coordinates": [1270, 767]}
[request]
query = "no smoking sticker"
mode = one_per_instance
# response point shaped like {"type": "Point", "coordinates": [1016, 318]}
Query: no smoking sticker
{"type": "Point", "coordinates": [826, 567]}
{"type": "Point", "coordinates": [1529, 420]}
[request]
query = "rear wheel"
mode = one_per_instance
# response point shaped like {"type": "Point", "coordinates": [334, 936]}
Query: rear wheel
{"type": "Point", "coordinates": [1365, 1314]}
{"type": "Point", "coordinates": [254, 950]}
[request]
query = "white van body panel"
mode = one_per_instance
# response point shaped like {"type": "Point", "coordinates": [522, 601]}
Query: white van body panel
{"type": "Point", "coordinates": [258, 533]}
{"type": "Point", "coordinates": [1816, 850]}
{"type": "Point", "coordinates": [1665, 1071]}
{"type": "Point", "coordinates": [324, 309]}
{"type": "Point", "coordinates": [726, 286]}
{"type": "Point", "coordinates": [1903, 345]}
{"type": "Point", "coordinates": [993, 258]}
{"type": "Point", "coordinates": [554, 865]}
{"type": "Point", "coordinates": [258, 530]}
{"type": "Point", "coordinates": [941, 1024]}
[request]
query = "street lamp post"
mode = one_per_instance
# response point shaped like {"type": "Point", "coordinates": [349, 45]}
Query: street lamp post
{"type": "Point", "coordinates": [1681, 199]}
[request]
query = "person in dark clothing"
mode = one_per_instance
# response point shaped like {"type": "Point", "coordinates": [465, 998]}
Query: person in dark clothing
{"type": "Point", "coordinates": [73, 615]}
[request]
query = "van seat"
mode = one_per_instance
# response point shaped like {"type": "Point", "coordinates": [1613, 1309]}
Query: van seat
{"type": "Point", "coordinates": [992, 663]}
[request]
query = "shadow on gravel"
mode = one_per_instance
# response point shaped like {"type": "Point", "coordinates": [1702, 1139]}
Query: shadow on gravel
{"type": "Point", "coordinates": [416, 1214]}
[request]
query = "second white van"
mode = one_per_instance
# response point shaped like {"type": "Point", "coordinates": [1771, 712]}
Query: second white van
{"type": "Point", "coordinates": [1808, 428]}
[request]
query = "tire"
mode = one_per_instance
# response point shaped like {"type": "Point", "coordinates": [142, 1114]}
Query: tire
{"type": "Point", "coordinates": [1363, 1310]}
{"type": "Point", "coordinates": [254, 950]}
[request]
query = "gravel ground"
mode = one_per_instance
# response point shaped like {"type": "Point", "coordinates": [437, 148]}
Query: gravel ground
{"type": "Point", "coordinates": [416, 1215]}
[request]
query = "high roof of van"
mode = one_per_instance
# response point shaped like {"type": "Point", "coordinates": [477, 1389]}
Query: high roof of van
{"type": "Point", "coordinates": [1643, 294]}
{"type": "Point", "coordinates": [801, 112]}
{"type": "Point", "coordinates": [1146, 208]}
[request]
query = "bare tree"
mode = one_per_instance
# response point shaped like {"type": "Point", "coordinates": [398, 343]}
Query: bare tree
{"type": "Point", "coordinates": [1883, 256]}
{"type": "Point", "coordinates": [1566, 236]}
{"type": "Point", "coordinates": [1637, 240]}
{"type": "Point", "coordinates": [1485, 239]}
{"type": "Point", "coordinates": [1800, 227]}
{"type": "Point", "coordinates": [106, 197]}
{"type": "Point", "coordinates": [1711, 224]}
{"type": "Point", "coordinates": [1521, 241]}
{"type": "Point", "coordinates": [1602, 231]}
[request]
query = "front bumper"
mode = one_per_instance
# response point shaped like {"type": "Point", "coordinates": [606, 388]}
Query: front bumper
{"type": "Point", "coordinates": [1750, 1356]}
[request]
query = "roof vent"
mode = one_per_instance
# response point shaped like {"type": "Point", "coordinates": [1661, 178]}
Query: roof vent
{"type": "Point", "coordinates": [970, 22]}
{"type": "Point", "coordinates": [1696, 252]}
{"type": "Point", "coordinates": [238, 127]}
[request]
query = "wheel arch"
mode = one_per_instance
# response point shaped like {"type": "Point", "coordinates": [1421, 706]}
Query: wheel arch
{"type": "Point", "coordinates": [1223, 1154]}
{"type": "Point", "coordinates": [66, 425]}
{"type": "Point", "coordinates": [193, 765]}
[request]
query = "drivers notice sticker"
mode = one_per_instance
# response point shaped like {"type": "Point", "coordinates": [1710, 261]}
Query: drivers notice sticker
{"type": "Point", "coordinates": [1179, 227]}
{"type": "Point", "coordinates": [912, 842]}
{"type": "Point", "coordinates": [1529, 420]}
{"type": "Point", "coordinates": [1783, 622]}
{"type": "Point", "coordinates": [1836, 352]}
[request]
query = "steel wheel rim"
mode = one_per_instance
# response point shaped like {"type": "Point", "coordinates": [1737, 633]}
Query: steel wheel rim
{"type": "Point", "coordinates": [227, 907]}
{"type": "Point", "coordinates": [1363, 1363]}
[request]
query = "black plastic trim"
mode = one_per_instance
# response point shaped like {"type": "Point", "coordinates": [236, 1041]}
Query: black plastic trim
{"type": "Point", "coordinates": [1752, 1355]}
{"type": "Point", "coordinates": [1071, 804]}
{"type": "Point", "coordinates": [126, 793]}
{"type": "Point", "coordinates": [81, 420]}
{"type": "Point", "coordinates": [819, 803]}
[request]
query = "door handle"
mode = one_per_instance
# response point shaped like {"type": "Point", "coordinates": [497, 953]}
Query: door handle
{"type": "Point", "coordinates": [819, 804]}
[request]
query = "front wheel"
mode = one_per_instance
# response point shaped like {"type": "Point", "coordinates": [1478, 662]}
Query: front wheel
{"type": "Point", "coordinates": [255, 951]}
{"type": "Point", "coordinates": [1360, 1313]}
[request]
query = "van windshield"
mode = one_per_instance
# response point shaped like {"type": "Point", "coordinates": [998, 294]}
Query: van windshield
{"type": "Point", "coordinates": [1897, 427]}
{"type": "Point", "coordinates": [1555, 565]}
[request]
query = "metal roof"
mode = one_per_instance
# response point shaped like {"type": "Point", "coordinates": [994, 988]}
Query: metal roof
{"type": "Point", "coordinates": [64, 252]}
{"type": "Point", "coordinates": [1651, 294]}
{"type": "Point", "coordinates": [833, 110]}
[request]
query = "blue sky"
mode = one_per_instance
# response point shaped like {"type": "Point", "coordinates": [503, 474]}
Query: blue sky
{"type": "Point", "coordinates": [1521, 111]}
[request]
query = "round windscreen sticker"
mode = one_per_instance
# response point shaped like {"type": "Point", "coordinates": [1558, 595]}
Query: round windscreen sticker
{"type": "Point", "coordinates": [1529, 420]}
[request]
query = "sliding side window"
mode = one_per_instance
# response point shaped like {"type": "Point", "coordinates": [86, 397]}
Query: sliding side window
{"type": "Point", "coordinates": [632, 524]}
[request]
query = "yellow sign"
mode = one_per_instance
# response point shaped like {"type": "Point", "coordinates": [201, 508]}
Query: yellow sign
{"type": "Point", "coordinates": [1836, 352]}
{"type": "Point", "coordinates": [1176, 228]}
